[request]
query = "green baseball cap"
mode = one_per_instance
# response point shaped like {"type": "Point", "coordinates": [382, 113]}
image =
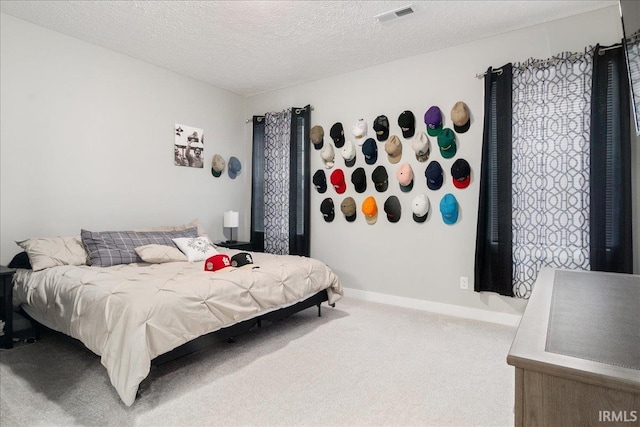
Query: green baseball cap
{"type": "Point", "coordinates": [447, 143]}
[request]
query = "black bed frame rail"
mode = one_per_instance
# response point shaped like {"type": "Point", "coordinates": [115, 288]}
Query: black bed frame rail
{"type": "Point", "coordinates": [229, 333]}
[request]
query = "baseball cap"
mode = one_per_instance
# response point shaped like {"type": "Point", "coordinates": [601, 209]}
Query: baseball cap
{"type": "Point", "coordinates": [449, 209]}
{"type": "Point", "coordinates": [243, 260]}
{"type": "Point", "coordinates": [393, 147]}
{"type": "Point", "coordinates": [217, 165]}
{"type": "Point", "coordinates": [380, 178]}
{"type": "Point", "coordinates": [234, 167]}
{"type": "Point", "coordinates": [217, 262]}
{"type": "Point", "coordinates": [460, 117]}
{"type": "Point", "coordinates": [316, 135]}
{"type": "Point", "coordinates": [407, 122]}
{"type": "Point", "coordinates": [447, 143]}
{"type": "Point", "coordinates": [370, 210]}
{"type": "Point", "coordinates": [348, 208]}
{"type": "Point", "coordinates": [337, 180]}
{"type": "Point", "coordinates": [370, 151]}
{"type": "Point", "coordinates": [349, 153]}
{"type": "Point", "coordinates": [405, 177]}
{"type": "Point", "coordinates": [420, 206]}
{"type": "Point", "coordinates": [433, 120]}
{"type": "Point", "coordinates": [422, 147]}
{"type": "Point", "coordinates": [381, 126]}
{"type": "Point", "coordinates": [320, 181]}
{"type": "Point", "coordinates": [434, 175]}
{"type": "Point", "coordinates": [193, 137]}
{"type": "Point", "coordinates": [328, 156]}
{"type": "Point", "coordinates": [461, 173]}
{"type": "Point", "coordinates": [359, 180]}
{"type": "Point", "coordinates": [326, 207]}
{"type": "Point", "coordinates": [360, 130]}
{"type": "Point", "coordinates": [392, 209]}
{"type": "Point", "coordinates": [337, 134]}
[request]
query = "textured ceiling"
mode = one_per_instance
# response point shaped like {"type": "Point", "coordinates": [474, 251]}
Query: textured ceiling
{"type": "Point", "coordinates": [252, 47]}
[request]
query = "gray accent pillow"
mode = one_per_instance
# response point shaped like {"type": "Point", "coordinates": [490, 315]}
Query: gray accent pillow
{"type": "Point", "coordinates": [107, 248]}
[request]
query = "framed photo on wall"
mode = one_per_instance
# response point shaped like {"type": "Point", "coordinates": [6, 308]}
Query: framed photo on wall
{"type": "Point", "coordinates": [188, 147]}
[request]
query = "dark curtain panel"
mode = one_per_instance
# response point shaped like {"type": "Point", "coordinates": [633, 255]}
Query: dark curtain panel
{"type": "Point", "coordinates": [299, 186]}
{"type": "Point", "coordinates": [257, 185]}
{"type": "Point", "coordinates": [610, 219]}
{"type": "Point", "coordinates": [493, 263]}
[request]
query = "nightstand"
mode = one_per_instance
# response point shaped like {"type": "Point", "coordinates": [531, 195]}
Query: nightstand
{"type": "Point", "coordinates": [241, 246]}
{"type": "Point", "coordinates": [6, 306]}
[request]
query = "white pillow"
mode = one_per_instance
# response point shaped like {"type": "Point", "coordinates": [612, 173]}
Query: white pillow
{"type": "Point", "coordinates": [158, 254]}
{"type": "Point", "coordinates": [45, 252]}
{"type": "Point", "coordinates": [196, 248]}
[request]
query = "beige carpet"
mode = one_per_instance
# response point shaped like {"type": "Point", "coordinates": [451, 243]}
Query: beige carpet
{"type": "Point", "coordinates": [360, 364]}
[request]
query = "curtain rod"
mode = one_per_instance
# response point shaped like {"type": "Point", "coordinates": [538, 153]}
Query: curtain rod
{"type": "Point", "coordinates": [543, 61]}
{"type": "Point", "coordinates": [297, 111]}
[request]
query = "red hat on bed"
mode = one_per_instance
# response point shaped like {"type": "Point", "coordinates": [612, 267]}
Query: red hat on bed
{"type": "Point", "coordinates": [217, 262]}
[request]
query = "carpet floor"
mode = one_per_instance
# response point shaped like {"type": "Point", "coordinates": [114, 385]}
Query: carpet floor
{"type": "Point", "coordinates": [360, 364]}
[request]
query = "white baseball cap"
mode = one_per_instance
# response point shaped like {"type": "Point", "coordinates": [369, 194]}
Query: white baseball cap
{"type": "Point", "coordinates": [420, 207]}
{"type": "Point", "coordinates": [349, 153]}
{"type": "Point", "coordinates": [327, 155]}
{"type": "Point", "coordinates": [421, 146]}
{"type": "Point", "coordinates": [360, 131]}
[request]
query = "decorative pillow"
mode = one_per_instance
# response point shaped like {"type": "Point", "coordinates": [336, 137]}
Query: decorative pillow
{"type": "Point", "coordinates": [21, 260]}
{"type": "Point", "coordinates": [158, 254]}
{"type": "Point", "coordinates": [197, 248]}
{"type": "Point", "coordinates": [109, 248]}
{"type": "Point", "coordinates": [45, 252]}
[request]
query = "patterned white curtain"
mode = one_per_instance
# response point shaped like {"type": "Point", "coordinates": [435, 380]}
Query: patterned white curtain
{"type": "Point", "coordinates": [550, 196]}
{"type": "Point", "coordinates": [276, 182]}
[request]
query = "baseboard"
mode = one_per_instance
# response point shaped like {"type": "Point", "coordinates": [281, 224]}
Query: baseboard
{"type": "Point", "coordinates": [435, 307]}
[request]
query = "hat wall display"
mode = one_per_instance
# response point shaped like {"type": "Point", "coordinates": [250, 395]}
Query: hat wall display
{"type": "Point", "coordinates": [360, 130]}
{"type": "Point", "coordinates": [433, 121]}
{"type": "Point", "coordinates": [407, 123]}
{"type": "Point", "coordinates": [328, 156]}
{"type": "Point", "coordinates": [405, 177]}
{"type": "Point", "coordinates": [243, 260]}
{"type": "Point", "coordinates": [348, 208]}
{"type": "Point", "coordinates": [338, 182]}
{"type": "Point", "coordinates": [380, 179]}
{"type": "Point", "coordinates": [461, 173]}
{"type": "Point", "coordinates": [234, 167]}
{"type": "Point", "coordinates": [449, 209]}
{"type": "Point", "coordinates": [421, 145]}
{"type": "Point", "coordinates": [460, 117]}
{"type": "Point", "coordinates": [337, 134]}
{"type": "Point", "coordinates": [393, 147]}
{"type": "Point", "coordinates": [420, 207]}
{"type": "Point", "coordinates": [320, 181]}
{"type": "Point", "coordinates": [447, 143]}
{"type": "Point", "coordinates": [370, 210]}
{"type": "Point", "coordinates": [217, 262]}
{"type": "Point", "coordinates": [349, 153]}
{"type": "Point", "coordinates": [359, 180]}
{"type": "Point", "coordinates": [327, 209]}
{"type": "Point", "coordinates": [370, 151]}
{"type": "Point", "coordinates": [434, 175]}
{"type": "Point", "coordinates": [217, 165]}
{"type": "Point", "coordinates": [316, 135]}
{"type": "Point", "coordinates": [381, 126]}
{"type": "Point", "coordinates": [392, 209]}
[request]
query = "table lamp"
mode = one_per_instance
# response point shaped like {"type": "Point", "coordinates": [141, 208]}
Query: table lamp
{"type": "Point", "coordinates": [231, 221]}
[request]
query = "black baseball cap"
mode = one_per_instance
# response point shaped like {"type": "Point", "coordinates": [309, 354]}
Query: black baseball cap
{"type": "Point", "coordinates": [337, 134]}
{"type": "Point", "coordinates": [381, 126]}
{"type": "Point", "coordinates": [434, 176]}
{"type": "Point", "coordinates": [359, 180]}
{"type": "Point", "coordinates": [326, 207]}
{"type": "Point", "coordinates": [380, 178]}
{"type": "Point", "coordinates": [407, 122]}
{"type": "Point", "coordinates": [393, 209]}
{"type": "Point", "coordinates": [320, 181]}
{"type": "Point", "coordinates": [370, 151]}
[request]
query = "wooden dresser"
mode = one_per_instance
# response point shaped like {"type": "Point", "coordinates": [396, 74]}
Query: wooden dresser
{"type": "Point", "coordinates": [577, 351]}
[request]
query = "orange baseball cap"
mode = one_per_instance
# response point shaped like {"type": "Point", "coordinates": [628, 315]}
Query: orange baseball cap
{"type": "Point", "coordinates": [370, 210]}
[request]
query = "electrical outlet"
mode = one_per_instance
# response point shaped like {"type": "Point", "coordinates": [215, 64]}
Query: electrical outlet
{"type": "Point", "coordinates": [464, 282]}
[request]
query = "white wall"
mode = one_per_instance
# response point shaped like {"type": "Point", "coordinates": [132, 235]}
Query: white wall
{"type": "Point", "coordinates": [406, 259]}
{"type": "Point", "coordinates": [87, 141]}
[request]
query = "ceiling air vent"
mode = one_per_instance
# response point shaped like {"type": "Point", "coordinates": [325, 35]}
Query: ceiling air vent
{"type": "Point", "coordinates": [394, 14]}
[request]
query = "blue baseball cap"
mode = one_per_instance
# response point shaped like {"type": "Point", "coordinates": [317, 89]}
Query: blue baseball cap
{"type": "Point", "coordinates": [434, 175]}
{"type": "Point", "coordinates": [234, 167]}
{"type": "Point", "coordinates": [370, 151]}
{"type": "Point", "coordinates": [449, 209]}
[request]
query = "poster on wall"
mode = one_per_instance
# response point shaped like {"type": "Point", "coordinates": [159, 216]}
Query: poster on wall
{"type": "Point", "coordinates": [189, 146]}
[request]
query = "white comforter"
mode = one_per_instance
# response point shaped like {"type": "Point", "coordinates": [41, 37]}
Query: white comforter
{"type": "Point", "coordinates": [129, 314]}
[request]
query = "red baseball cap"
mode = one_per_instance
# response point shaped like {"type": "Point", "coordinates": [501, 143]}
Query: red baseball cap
{"type": "Point", "coordinates": [461, 173]}
{"type": "Point", "coordinates": [337, 179]}
{"type": "Point", "coordinates": [217, 262]}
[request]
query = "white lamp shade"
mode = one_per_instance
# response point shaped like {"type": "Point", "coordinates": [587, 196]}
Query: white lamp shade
{"type": "Point", "coordinates": [231, 219]}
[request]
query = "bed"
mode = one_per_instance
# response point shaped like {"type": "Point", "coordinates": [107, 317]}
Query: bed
{"type": "Point", "coordinates": [130, 314]}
